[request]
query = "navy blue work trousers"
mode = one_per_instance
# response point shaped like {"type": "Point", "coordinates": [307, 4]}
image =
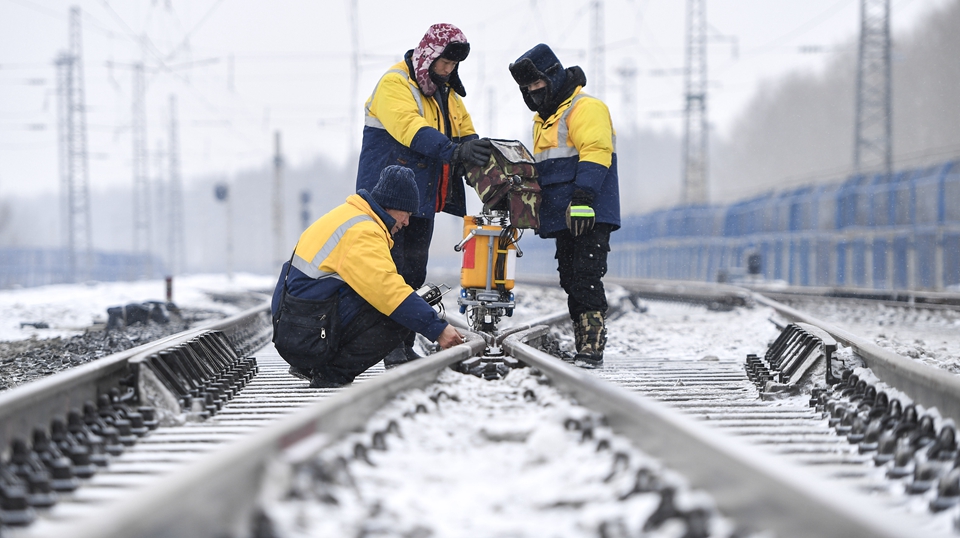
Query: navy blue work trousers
{"type": "Point", "coordinates": [582, 263]}
{"type": "Point", "coordinates": [364, 341]}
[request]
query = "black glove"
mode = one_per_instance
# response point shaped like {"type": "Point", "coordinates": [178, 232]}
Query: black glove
{"type": "Point", "coordinates": [473, 152]}
{"type": "Point", "coordinates": [580, 215]}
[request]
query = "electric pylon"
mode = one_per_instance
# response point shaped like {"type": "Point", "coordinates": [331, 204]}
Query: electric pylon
{"type": "Point", "coordinates": [74, 171]}
{"type": "Point", "coordinates": [695, 109]}
{"type": "Point", "coordinates": [872, 138]}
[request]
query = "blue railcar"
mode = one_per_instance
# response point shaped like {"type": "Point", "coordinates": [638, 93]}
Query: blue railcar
{"type": "Point", "coordinates": [872, 231]}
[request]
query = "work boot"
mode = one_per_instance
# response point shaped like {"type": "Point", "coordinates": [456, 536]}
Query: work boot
{"type": "Point", "coordinates": [399, 355]}
{"type": "Point", "coordinates": [301, 373]}
{"type": "Point", "coordinates": [593, 338]}
{"type": "Point", "coordinates": [318, 382]}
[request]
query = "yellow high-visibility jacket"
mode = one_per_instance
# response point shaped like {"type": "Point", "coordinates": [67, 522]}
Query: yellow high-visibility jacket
{"type": "Point", "coordinates": [405, 127]}
{"type": "Point", "coordinates": [351, 245]}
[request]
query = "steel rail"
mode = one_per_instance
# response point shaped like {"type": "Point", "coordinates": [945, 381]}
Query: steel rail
{"type": "Point", "coordinates": [749, 486]}
{"type": "Point", "coordinates": [927, 385]}
{"type": "Point", "coordinates": [216, 496]}
{"type": "Point", "coordinates": [686, 291]}
{"type": "Point", "coordinates": [931, 300]}
{"type": "Point", "coordinates": [25, 407]}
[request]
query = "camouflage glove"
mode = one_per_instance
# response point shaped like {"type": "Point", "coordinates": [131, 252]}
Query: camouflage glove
{"type": "Point", "coordinates": [580, 215]}
{"type": "Point", "coordinates": [473, 152]}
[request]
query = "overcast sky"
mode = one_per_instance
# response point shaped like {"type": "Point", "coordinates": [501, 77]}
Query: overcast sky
{"type": "Point", "coordinates": [243, 69]}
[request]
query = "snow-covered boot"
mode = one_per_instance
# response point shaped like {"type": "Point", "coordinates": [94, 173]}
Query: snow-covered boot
{"type": "Point", "coordinates": [593, 336]}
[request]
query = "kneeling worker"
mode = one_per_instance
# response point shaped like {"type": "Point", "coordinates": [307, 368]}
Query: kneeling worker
{"type": "Point", "coordinates": [346, 254]}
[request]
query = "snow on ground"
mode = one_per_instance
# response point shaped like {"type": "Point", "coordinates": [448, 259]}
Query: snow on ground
{"type": "Point", "coordinates": [526, 475]}
{"type": "Point", "coordinates": [482, 458]}
{"type": "Point", "coordinates": [932, 337]}
{"type": "Point", "coordinates": [663, 330]}
{"type": "Point", "coordinates": [68, 309]}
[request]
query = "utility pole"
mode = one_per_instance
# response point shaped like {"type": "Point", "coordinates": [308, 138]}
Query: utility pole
{"type": "Point", "coordinates": [141, 183]}
{"type": "Point", "coordinates": [491, 109]}
{"type": "Point", "coordinates": [873, 124]}
{"type": "Point", "coordinates": [175, 241]}
{"type": "Point", "coordinates": [305, 209]}
{"type": "Point", "coordinates": [628, 84]}
{"type": "Point", "coordinates": [695, 109]}
{"type": "Point", "coordinates": [597, 78]}
{"type": "Point", "coordinates": [354, 109]}
{"type": "Point", "coordinates": [159, 196]}
{"type": "Point", "coordinates": [222, 193]}
{"type": "Point", "coordinates": [279, 247]}
{"type": "Point", "coordinates": [74, 171]}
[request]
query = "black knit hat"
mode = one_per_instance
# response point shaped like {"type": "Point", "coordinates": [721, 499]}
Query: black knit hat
{"type": "Point", "coordinates": [397, 189]}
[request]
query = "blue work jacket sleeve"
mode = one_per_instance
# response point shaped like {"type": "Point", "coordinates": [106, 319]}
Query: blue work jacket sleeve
{"type": "Point", "coordinates": [431, 142]}
{"type": "Point", "coordinates": [590, 177]}
{"type": "Point", "coordinates": [415, 314]}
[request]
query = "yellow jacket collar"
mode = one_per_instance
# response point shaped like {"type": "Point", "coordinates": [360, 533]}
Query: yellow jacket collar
{"type": "Point", "coordinates": [357, 201]}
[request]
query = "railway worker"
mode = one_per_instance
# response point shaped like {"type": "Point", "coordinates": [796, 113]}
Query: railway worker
{"type": "Point", "coordinates": [415, 117]}
{"type": "Point", "coordinates": [576, 160]}
{"type": "Point", "coordinates": [346, 253]}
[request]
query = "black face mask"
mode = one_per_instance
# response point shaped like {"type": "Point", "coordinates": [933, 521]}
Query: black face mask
{"type": "Point", "coordinates": [538, 95]}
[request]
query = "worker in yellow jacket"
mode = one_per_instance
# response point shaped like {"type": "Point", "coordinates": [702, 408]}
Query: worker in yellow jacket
{"type": "Point", "coordinates": [416, 118]}
{"type": "Point", "coordinates": [574, 146]}
{"type": "Point", "coordinates": [346, 254]}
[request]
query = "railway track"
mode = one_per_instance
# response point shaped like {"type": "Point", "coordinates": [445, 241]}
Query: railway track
{"type": "Point", "coordinates": [775, 463]}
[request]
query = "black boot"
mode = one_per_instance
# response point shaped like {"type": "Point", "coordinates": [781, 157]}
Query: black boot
{"type": "Point", "coordinates": [301, 373]}
{"type": "Point", "coordinates": [400, 355]}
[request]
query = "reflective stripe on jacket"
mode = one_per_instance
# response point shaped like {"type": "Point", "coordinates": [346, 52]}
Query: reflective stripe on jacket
{"type": "Point", "coordinates": [575, 148]}
{"type": "Point", "coordinates": [403, 126]}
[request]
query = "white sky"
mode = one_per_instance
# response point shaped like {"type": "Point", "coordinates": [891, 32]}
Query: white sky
{"type": "Point", "coordinates": [291, 70]}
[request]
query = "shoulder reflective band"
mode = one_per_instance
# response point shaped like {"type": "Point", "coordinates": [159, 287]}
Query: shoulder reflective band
{"type": "Point", "coordinates": [311, 268]}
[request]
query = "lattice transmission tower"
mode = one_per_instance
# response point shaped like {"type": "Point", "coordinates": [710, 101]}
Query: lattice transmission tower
{"type": "Point", "coordinates": [873, 123]}
{"type": "Point", "coordinates": [695, 106]}
{"type": "Point", "coordinates": [141, 181]}
{"type": "Point", "coordinates": [74, 170]}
